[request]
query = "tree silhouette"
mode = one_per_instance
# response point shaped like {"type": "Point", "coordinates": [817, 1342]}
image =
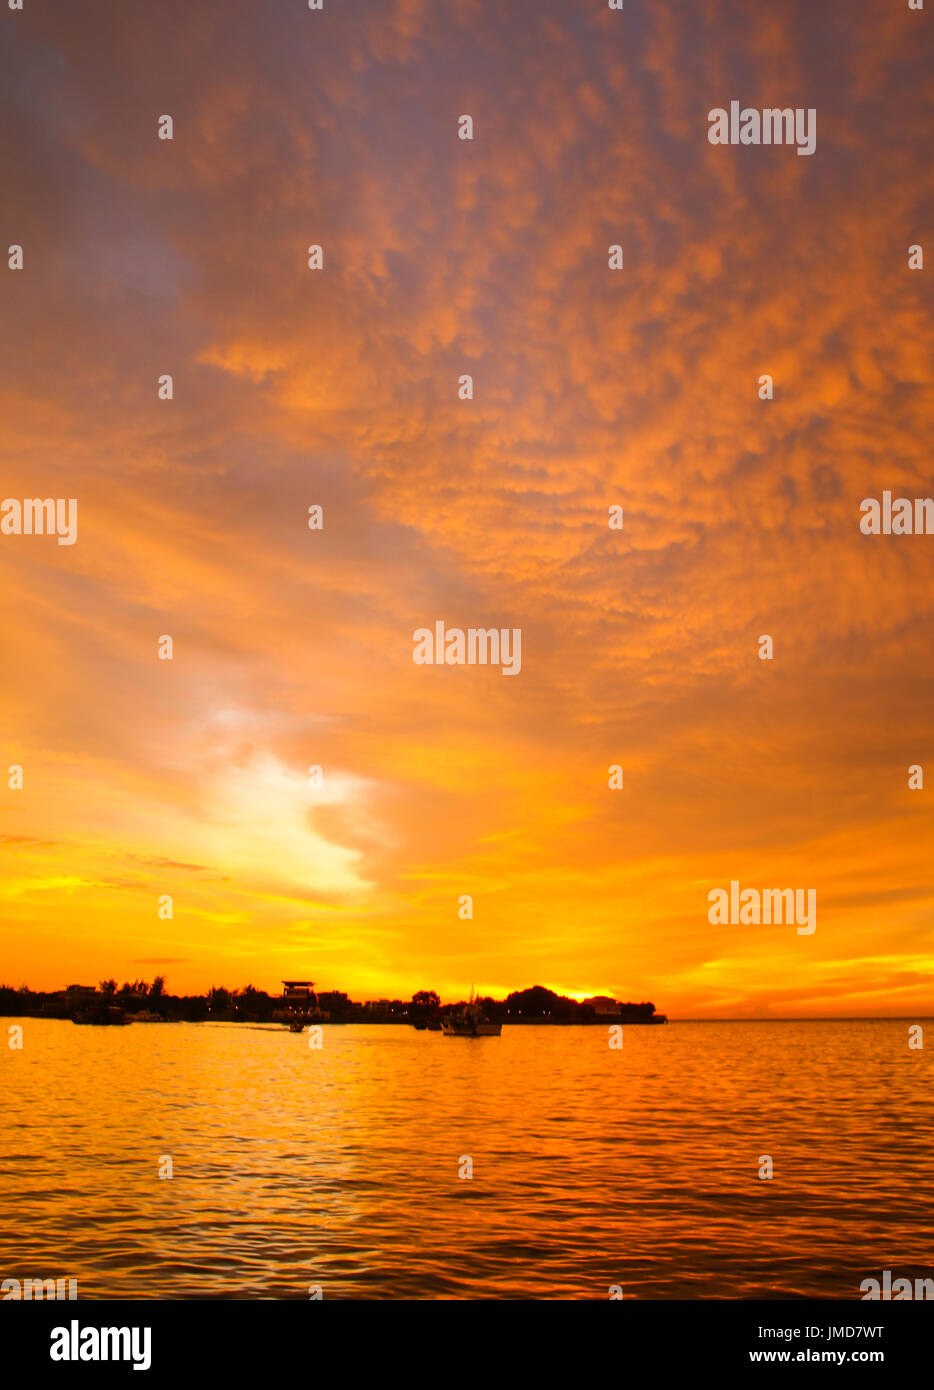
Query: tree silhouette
{"type": "Point", "coordinates": [218, 999]}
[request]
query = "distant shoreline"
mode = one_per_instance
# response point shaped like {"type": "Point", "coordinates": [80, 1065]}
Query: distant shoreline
{"type": "Point", "coordinates": [537, 1006]}
{"type": "Point", "coordinates": [301, 1004]}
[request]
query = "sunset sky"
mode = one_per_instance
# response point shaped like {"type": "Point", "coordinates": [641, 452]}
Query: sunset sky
{"type": "Point", "coordinates": [592, 387]}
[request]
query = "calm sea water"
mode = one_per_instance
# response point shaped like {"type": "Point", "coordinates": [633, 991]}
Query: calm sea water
{"type": "Point", "coordinates": [339, 1167]}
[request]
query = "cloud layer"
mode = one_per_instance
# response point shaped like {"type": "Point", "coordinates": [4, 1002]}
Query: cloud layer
{"type": "Point", "coordinates": [592, 388]}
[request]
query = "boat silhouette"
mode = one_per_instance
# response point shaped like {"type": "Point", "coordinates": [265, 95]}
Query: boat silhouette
{"type": "Point", "coordinates": [102, 1015]}
{"type": "Point", "coordinates": [470, 1021]}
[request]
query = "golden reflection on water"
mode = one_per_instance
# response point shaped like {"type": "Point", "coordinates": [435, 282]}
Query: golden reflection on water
{"type": "Point", "coordinates": [591, 1167]}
